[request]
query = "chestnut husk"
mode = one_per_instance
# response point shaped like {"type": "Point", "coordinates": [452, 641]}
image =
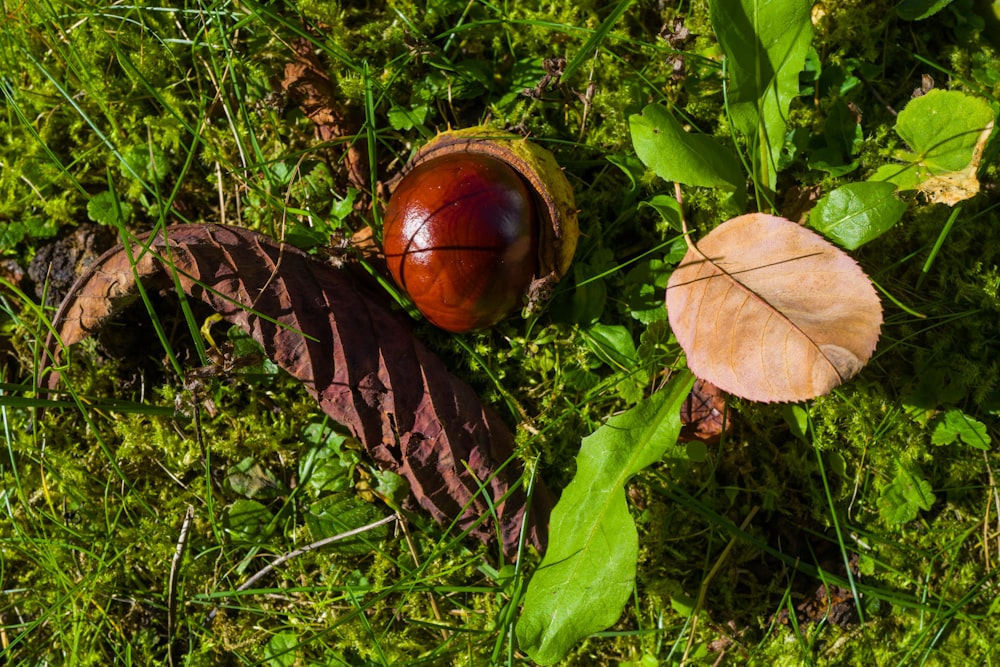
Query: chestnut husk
{"type": "Point", "coordinates": [558, 227]}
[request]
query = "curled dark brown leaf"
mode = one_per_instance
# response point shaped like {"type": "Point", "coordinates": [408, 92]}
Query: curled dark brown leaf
{"type": "Point", "coordinates": [336, 335]}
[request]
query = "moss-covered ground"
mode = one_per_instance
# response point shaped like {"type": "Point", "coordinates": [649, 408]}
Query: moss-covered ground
{"type": "Point", "coordinates": [846, 530]}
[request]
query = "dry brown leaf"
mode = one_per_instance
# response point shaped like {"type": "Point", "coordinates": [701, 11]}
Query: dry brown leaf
{"type": "Point", "coordinates": [307, 83]}
{"type": "Point", "coordinates": [340, 339]}
{"type": "Point", "coordinates": [770, 311]}
{"type": "Point", "coordinates": [704, 415]}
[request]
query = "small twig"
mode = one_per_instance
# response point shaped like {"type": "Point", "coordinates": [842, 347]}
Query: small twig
{"type": "Point", "coordinates": [588, 97]}
{"type": "Point", "coordinates": [175, 568]}
{"type": "Point", "coordinates": [306, 549]}
{"type": "Point", "coordinates": [703, 590]}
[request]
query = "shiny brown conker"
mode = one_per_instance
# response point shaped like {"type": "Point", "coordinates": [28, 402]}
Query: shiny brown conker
{"type": "Point", "coordinates": [460, 237]}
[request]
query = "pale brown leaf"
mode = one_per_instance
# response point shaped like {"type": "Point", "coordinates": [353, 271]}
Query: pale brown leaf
{"type": "Point", "coordinates": [337, 336]}
{"type": "Point", "coordinates": [770, 311]}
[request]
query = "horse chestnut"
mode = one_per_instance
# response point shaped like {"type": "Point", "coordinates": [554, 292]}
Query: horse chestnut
{"type": "Point", "coordinates": [460, 238]}
{"type": "Point", "coordinates": [478, 221]}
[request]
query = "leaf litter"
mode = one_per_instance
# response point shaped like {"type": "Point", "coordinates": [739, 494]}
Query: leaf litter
{"type": "Point", "coordinates": [330, 330]}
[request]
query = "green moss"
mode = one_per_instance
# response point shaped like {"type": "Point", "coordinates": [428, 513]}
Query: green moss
{"type": "Point", "coordinates": [96, 504]}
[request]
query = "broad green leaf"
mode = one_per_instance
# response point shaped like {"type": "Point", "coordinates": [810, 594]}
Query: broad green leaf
{"type": "Point", "coordinates": [905, 496]}
{"type": "Point", "coordinates": [613, 344]}
{"type": "Point", "coordinates": [588, 572]}
{"type": "Point", "coordinates": [247, 520]}
{"type": "Point", "coordinates": [856, 213]}
{"type": "Point", "coordinates": [956, 425]}
{"type": "Point", "coordinates": [765, 43]}
{"type": "Point", "coordinates": [676, 155]}
{"type": "Point", "coordinates": [943, 127]}
{"type": "Point", "coordinates": [834, 151]}
{"type": "Point", "coordinates": [588, 299]}
{"type": "Point", "coordinates": [946, 131]}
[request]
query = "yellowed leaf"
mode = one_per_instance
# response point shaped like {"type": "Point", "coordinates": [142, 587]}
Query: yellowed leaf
{"type": "Point", "coordinates": [955, 186]}
{"type": "Point", "coordinates": [770, 311]}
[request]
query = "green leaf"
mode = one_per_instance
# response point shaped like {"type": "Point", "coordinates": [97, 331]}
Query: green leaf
{"type": "Point", "coordinates": [341, 512]}
{"type": "Point", "coordinates": [943, 127]}
{"type": "Point", "coordinates": [668, 208]}
{"type": "Point", "coordinates": [797, 418]}
{"type": "Point", "coordinates": [834, 150]}
{"type": "Point", "coordinates": [765, 43]}
{"type": "Point", "coordinates": [101, 208]}
{"type": "Point", "coordinates": [588, 572]}
{"type": "Point", "coordinates": [391, 487]}
{"type": "Point", "coordinates": [644, 288]}
{"type": "Point", "coordinates": [589, 297]}
{"type": "Point", "coordinates": [327, 466]}
{"type": "Point", "coordinates": [675, 155]}
{"type": "Point", "coordinates": [406, 119]}
{"type": "Point", "coordinates": [856, 213]}
{"type": "Point", "coordinates": [613, 344]}
{"type": "Point", "coordinates": [148, 162]}
{"type": "Point", "coordinates": [280, 649]}
{"type": "Point", "coordinates": [11, 233]}
{"type": "Point", "coordinates": [946, 131]}
{"type": "Point", "coordinates": [956, 425]}
{"type": "Point", "coordinates": [247, 520]}
{"type": "Point", "coordinates": [905, 496]}
{"type": "Point", "coordinates": [917, 10]}
{"type": "Point", "coordinates": [249, 478]}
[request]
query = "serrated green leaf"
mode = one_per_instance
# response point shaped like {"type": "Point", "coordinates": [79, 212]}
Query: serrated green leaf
{"type": "Point", "coordinates": [765, 43]}
{"type": "Point", "coordinates": [326, 466]}
{"type": "Point", "coordinates": [903, 498]}
{"type": "Point", "coordinates": [588, 572]}
{"type": "Point", "coordinates": [675, 155]}
{"type": "Point", "coordinates": [856, 213]}
{"type": "Point", "coordinates": [917, 10]}
{"type": "Point", "coordinates": [11, 233]}
{"type": "Point", "coordinates": [956, 425]}
{"type": "Point", "coordinates": [406, 119]}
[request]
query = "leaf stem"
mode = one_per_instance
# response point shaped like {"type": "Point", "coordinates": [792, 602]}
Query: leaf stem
{"type": "Point", "coordinates": [680, 212]}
